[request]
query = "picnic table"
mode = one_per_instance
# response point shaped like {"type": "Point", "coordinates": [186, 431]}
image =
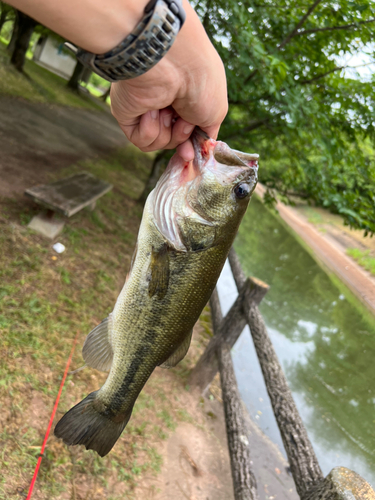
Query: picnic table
{"type": "Point", "coordinates": [66, 197]}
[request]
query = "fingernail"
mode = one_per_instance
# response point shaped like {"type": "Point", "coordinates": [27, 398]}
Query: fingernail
{"type": "Point", "coordinates": [154, 114]}
{"type": "Point", "coordinates": [167, 120]}
{"type": "Point", "coordinates": [188, 129]}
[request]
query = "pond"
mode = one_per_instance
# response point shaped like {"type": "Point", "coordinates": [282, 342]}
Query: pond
{"type": "Point", "coordinates": [324, 338]}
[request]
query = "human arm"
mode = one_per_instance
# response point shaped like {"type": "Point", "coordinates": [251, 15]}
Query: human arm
{"type": "Point", "coordinates": [188, 83]}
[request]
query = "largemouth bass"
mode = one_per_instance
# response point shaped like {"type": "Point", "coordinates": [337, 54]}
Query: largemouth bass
{"type": "Point", "coordinates": [189, 223]}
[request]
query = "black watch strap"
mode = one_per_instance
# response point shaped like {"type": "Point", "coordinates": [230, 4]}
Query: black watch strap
{"type": "Point", "coordinates": [143, 48]}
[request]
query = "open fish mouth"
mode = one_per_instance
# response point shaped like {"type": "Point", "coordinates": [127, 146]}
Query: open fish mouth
{"type": "Point", "coordinates": [207, 152]}
{"type": "Point", "coordinates": [222, 153]}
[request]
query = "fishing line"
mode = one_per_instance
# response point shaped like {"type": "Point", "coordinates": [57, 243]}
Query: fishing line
{"type": "Point", "coordinates": [51, 420]}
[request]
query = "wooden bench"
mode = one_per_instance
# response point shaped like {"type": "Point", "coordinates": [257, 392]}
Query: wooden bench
{"type": "Point", "coordinates": [66, 197]}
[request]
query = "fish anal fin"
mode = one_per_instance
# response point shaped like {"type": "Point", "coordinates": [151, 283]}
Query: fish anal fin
{"type": "Point", "coordinates": [158, 272]}
{"type": "Point", "coordinates": [97, 349]}
{"type": "Point", "coordinates": [179, 353]}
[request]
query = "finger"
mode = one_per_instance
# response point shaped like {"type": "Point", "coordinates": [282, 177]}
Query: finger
{"type": "Point", "coordinates": [212, 131]}
{"type": "Point", "coordinates": [145, 132]}
{"type": "Point", "coordinates": [186, 150]}
{"type": "Point", "coordinates": [165, 131]}
{"type": "Point", "coordinates": [181, 131]}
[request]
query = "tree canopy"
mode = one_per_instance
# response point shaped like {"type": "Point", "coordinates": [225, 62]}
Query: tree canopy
{"type": "Point", "coordinates": [294, 99]}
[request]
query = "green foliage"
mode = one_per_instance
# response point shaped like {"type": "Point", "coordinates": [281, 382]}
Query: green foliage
{"type": "Point", "coordinates": [98, 81]}
{"type": "Point", "coordinates": [293, 100]}
{"type": "Point", "coordinates": [7, 13]}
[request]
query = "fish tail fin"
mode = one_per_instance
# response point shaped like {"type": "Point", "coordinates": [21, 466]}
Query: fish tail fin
{"type": "Point", "coordinates": [83, 424]}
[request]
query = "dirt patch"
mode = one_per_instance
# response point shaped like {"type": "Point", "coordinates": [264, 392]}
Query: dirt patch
{"type": "Point", "coordinates": [38, 412]}
{"type": "Point", "coordinates": [38, 140]}
{"type": "Point", "coordinates": [196, 466]}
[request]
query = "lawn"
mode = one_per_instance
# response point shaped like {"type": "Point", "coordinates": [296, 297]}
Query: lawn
{"type": "Point", "coordinates": [365, 258]}
{"type": "Point", "coordinates": [40, 85]}
{"type": "Point", "coordinates": [46, 298]}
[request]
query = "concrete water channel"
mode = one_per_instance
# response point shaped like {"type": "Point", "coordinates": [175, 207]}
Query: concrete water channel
{"type": "Point", "coordinates": [324, 338]}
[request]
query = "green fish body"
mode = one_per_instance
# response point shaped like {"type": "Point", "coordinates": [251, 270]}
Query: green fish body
{"type": "Point", "coordinates": [188, 226]}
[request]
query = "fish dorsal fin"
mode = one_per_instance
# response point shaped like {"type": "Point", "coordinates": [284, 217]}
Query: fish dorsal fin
{"type": "Point", "coordinates": [158, 272]}
{"type": "Point", "coordinates": [97, 349]}
{"type": "Point", "coordinates": [179, 353]}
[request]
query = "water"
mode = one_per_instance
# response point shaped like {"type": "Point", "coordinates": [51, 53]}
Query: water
{"type": "Point", "coordinates": [325, 342]}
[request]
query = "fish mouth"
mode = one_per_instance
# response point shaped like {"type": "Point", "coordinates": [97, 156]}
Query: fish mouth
{"type": "Point", "coordinates": [199, 132]}
{"type": "Point", "coordinates": [222, 153]}
{"type": "Point", "coordinates": [202, 145]}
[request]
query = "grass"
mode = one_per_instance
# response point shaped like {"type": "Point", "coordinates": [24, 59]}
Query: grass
{"type": "Point", "coordinates": [97, 92]}
{"type": "Point", "coordinates": [312, 216]}
{"type": "Point", "coordinates": [364, 258]}
{"type": "Point", "coordinates": [39, 85]}
{"type": "Point", "coordinates": [45, 299]}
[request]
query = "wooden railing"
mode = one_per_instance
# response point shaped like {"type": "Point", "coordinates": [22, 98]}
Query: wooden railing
{"type": "Point", "coordinates": [341, 483]}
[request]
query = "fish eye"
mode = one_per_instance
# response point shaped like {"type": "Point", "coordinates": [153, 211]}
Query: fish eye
{"type": "Point", "coordinates": [242, 190]}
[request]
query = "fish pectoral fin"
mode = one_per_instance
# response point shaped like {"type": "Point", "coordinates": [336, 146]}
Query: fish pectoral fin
{"type": "Point", "coordinates": [97, 349]}
{"type": "Point", "coordinates": [158, 272]}
{"type": "Point", "coordinates": [179, 353]}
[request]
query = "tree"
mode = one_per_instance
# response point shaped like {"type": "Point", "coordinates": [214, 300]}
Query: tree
{"type": "Point", "coordinates": [6, 12]}
{"type": "Point", "coordinates": [105, 94]}
{"type": "Point", "coordinates": [294, 99]}
{"type": "Point", "coordinates": [76, 77]}
{"type": "Point", "coordinates": [25, 28]}
{"type": "Point", "coordinates": [12, 41]}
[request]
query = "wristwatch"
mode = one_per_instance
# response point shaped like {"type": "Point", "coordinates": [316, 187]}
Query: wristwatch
{"type": "Point", "coordinates": [143, 48]}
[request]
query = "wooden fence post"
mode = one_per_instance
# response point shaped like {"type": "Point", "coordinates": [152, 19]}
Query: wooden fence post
{"type": "Point", "coordinates": [216, 314]}
{"type": "Point", "coordinates": [244, 483]}
{"type": "Point", "coordinates": [342, 484]}
{"type": "Point", "coordinates": [302, 459]}
{"type": "Point", "coordinates": [226, 329]}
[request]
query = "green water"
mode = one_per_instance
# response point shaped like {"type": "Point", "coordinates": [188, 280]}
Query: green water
{"type": "Point", "coordinates": [324, 340]}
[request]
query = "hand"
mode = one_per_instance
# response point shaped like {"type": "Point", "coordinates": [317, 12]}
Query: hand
{"type": "Point", "coordinates": [159, 110]}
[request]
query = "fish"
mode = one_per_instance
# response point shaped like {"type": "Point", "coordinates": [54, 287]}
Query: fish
{"type": "Point", "coordinates": [189, 223]}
